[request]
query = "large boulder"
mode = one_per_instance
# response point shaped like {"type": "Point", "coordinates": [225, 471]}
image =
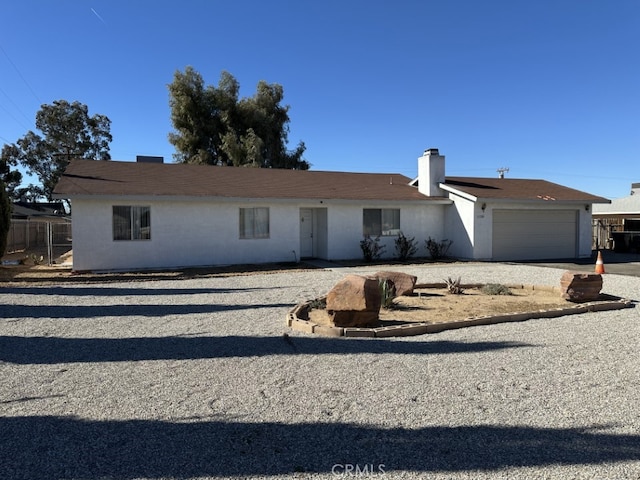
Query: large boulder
{"type": "Point", "coordinates": [354, 302]}
{"type": "Point", "coordinates": [402, 282]}
{"type": "Point", "coordinates": [580, 286]}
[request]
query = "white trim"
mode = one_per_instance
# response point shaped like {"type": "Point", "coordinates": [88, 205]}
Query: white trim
{"type": "Point", "coordinates": [455, 191]}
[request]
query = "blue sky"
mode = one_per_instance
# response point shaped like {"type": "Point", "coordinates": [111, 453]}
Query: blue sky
{"type": "Point", "coordinates": [548, 88]}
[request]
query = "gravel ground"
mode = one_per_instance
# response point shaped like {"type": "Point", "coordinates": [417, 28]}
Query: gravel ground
{"type": "Point", "coordinates": [195, 379]}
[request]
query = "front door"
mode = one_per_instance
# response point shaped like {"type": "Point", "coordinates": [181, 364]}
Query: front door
{"type": "Point", "coordinates": [306, 233]}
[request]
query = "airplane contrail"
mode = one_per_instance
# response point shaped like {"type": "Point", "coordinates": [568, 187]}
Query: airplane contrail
{"type": "Point", "coordinates": [98, 15]}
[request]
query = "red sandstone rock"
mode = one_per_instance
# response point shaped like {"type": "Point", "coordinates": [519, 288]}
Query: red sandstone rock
{"type": "Point", "coordinates": [403, 282]}
{"type": "Point", "coordinates": [349, 318]}
{"type": "Point", "coordinates": [580, 286]}
{"type": "Point", "coordinates": [354, 302]}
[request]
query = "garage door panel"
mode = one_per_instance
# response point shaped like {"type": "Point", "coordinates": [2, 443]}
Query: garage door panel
{"type": "Point", "coordinates": [533, 234]}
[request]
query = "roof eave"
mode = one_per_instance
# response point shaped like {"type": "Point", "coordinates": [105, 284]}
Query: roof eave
{"type": "Point", "coordinates": [225, 199]}
{"type": "Point", "coordinates": [540, 201]}
{"type": "Point", "coordinates": [474, 198]}
{"type": "Point", "coordinates": [616, 214]}
{"type": "Point", "coordinates": [460, 193]}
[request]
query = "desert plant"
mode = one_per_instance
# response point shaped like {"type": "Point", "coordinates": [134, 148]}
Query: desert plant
{"type": "Point", "coordinates": [405, 247]}
{"type": "Point", "coordinates": [371, 248]}
{"type": "Point", "coordinates": [387, 293]}
{"type": "Point", "coordinates": [37, 260]}
{"type": "Point", "coordinates": [495, 289]}
{"type": "Point", "coordinates": [454, 286]}
{"type": "Point", "coordinates": [437, 249]}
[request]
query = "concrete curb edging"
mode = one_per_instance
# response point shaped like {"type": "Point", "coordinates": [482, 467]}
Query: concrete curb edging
{"type": "Point", "coordinates": [296, 317]}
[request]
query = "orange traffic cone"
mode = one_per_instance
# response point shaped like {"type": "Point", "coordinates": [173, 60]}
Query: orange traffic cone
{"type": "Point", "coordinates": [599, 263]}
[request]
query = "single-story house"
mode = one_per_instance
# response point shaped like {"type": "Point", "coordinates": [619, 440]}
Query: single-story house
{"type": "Point", "coordinates": [141, 215]}
{"type": "Point", "coordinates": [38, 211]}
{"type": "Point", "coordinates": [617, 225]}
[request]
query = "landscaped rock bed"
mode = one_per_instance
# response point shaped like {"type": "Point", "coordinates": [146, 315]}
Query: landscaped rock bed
{"type": "Point", "coordinates": [431, 308]}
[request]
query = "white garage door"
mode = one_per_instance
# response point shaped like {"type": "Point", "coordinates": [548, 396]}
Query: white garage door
{"type": "Point", "coordinates": [534, 234]}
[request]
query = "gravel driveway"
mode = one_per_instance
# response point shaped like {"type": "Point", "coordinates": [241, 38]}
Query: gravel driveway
{"type": "Point", "coordinates": [194, 379]}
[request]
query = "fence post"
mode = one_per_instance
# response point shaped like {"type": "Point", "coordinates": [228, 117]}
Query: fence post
{"type": "Point", "coordinates": [49, 243]}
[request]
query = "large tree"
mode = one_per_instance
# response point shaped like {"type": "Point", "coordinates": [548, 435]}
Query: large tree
{"type": "Point", "coordinates": [67, 132]}
{"type": "Point", "coordinates": [12, 178]}
{"type": "Point", "coordinates": [5, 217]}
{"type": "Point", "coordinates": [214, 127]}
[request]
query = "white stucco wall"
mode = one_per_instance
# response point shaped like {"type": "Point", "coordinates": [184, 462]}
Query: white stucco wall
{"type": "Point", "coordinates": [187, 233]}
{"type": "Point", "coordinates": [585, 233]}
{"type": "Point", "coordinates": [205, 232]}
{"type": "Point", "coordinates": [460, 227]}
{"type": "Point", "coordinates": [416, 220]}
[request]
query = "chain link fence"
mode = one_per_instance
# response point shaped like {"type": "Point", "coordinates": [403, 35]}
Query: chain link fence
{"type": "Point", "coordinates": [47, 238]}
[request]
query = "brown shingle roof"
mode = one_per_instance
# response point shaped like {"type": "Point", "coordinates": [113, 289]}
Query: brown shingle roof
{"type": "Point", "coordinates": [519, 189]}
{"type": "Point", "coordinates": [94, 177]}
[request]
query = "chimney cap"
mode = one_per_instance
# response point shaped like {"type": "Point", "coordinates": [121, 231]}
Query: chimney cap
{"type": "Point", "coordinates": [431, 151]}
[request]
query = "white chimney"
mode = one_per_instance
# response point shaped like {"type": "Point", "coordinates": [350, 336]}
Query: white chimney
{"type": "Point", "coordinates": [431, 173]}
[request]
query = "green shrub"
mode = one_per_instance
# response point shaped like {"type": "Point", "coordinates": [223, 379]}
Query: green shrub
{"type": "Point", "coordinates": [436, 249]}
{"type": "Point", "coordinates": [495, 289]}
{"type": "Point", "coordinates": [405, 247]}
{"type": "Point", "coordinates": [371, 248]}
{"type": "Point", "coordinates": [318, 303]}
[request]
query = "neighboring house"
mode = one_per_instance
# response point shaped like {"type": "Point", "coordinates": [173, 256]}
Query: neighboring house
{"type": "Point", "coordinates": [143, 215]}
{"type": "Point", "coordinates": [617, 225]}
{"type": "Point", "coordinates": [38, 211]}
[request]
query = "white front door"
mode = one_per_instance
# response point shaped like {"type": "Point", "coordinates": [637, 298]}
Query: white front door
{"type": "Point", "coordinates": [306, 232]}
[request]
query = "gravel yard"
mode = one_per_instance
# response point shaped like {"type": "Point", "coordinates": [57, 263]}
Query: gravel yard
{"type": "Point", "coordinates": [195, 378]}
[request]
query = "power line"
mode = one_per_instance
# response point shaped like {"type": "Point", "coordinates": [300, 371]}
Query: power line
{"type": "Point", "coordinates": [15, 105]}
{"type": "Point", "coordinates": [14, 117]}
{"type": "Point", "coordinates": [21, 76]}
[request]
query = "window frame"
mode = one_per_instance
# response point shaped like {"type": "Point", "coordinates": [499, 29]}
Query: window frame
{"type": "Point", "coordinates": [249, 227]}
{"type": "Point", "coordinates": [138, 218]}
{"type": "Point", "coordinates": [378, 218]}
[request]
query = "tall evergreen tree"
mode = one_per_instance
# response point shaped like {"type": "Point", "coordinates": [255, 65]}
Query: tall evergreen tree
{"type": "Point", "coordinates": [212, 126]}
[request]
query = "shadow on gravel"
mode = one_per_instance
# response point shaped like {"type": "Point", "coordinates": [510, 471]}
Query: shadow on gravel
{"type": "Point", "coordinates": [615, 262]}
{"type": "Point", "coordinates": [51, 350]}
{"type": "Point", "coordinates": [120, 291]}
{"type": "Point", "coordinates": [91, 311]}
{"type": "Point", "coordinates": [67, 447]}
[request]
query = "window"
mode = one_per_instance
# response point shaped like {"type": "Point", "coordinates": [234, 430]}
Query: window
{"type": "Point", "coordinates": [254, 222]}
{"type": "Point", "coordinates": [381, 221]}
{"type": "Point", "coordinates": [131, 223]}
